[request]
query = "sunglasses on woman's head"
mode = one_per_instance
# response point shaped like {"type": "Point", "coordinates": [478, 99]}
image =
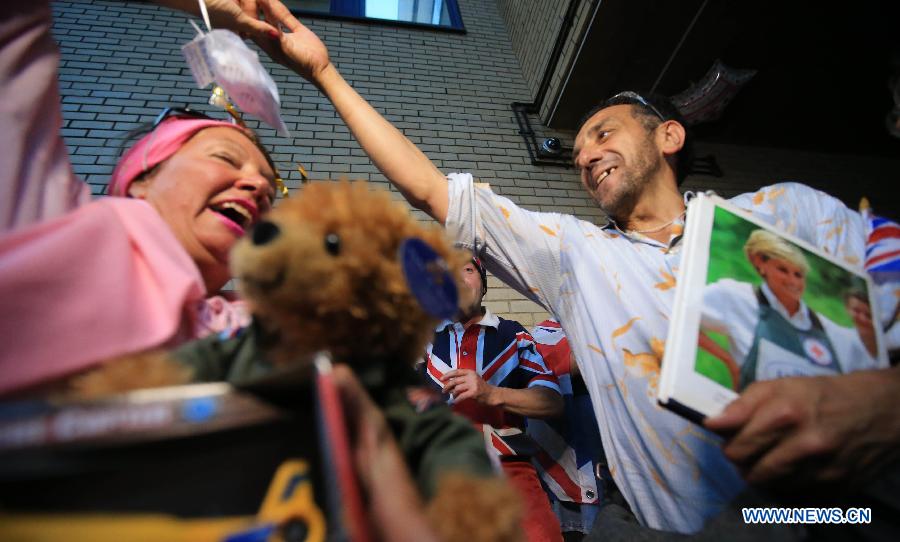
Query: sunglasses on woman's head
{"type": "Point", "coordinates": [186, 112]}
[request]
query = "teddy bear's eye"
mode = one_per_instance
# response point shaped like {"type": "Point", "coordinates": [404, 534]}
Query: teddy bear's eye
{"type": "Point", "coordinates": [333, 244]}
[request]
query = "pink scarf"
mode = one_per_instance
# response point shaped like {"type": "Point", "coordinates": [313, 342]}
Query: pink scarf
{"type": "Point", "coordinates": [104, 280]}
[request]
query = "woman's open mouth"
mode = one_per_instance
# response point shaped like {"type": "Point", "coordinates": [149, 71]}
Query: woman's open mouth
{"type": "Point", "coordinates": [235, 215]}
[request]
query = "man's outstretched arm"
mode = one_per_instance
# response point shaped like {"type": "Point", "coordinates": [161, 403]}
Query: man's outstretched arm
{"type": "Point", "coordinates": [395, 156]}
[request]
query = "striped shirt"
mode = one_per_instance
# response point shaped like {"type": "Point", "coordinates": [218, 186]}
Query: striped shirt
{"type": "Point", "coordinates": [503, 353]}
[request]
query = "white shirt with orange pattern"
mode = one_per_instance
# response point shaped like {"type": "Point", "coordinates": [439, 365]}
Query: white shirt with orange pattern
{"type": "Point", "coordinates": [613, 294]}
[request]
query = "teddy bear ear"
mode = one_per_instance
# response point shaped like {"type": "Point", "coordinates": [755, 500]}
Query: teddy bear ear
{"type": "Point", "coordinates": [429, 278]}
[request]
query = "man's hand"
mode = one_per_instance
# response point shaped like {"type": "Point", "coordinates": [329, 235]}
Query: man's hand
{"type": "Point", "coordinates": [408, 169]}
{"type": "Point", "coordinates": [240, 16]}
{"type": "Point", "coordinates": [790, 432]}
{"type": "Point", "coordinates": [298, 49]}
{"type": "Point", "coordinates": [533, 402]}
{"type": "Point", "coordinates": [465, 384]}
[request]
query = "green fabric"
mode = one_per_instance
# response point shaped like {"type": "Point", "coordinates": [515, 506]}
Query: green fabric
{"type": "Point", "coordinates": [433, 442]}
{"type": "Point", "coordinates": [233, 359]}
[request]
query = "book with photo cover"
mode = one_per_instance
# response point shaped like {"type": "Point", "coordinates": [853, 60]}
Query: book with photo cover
{"type": "Point", "coordinates": [755, 303]}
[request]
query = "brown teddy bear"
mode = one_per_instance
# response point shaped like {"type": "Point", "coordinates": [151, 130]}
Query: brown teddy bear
{"type": "Point", "coordinates": [325, 271]}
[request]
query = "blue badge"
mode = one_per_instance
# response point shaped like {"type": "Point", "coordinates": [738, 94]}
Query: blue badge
{"type": "Point", "coordinates": [428, 278]}
{"type": "Point", "coordinates": [256, 533]}
{"type": "Point", "coordinates": [199, 409]}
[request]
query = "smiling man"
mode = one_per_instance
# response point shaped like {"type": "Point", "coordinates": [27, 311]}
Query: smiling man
{"type": "Point", "coordinates": [620, 167]}
{"type": "Point", "coordinates": [612, 289]}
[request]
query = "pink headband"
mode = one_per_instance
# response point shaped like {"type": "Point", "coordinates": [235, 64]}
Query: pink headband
{"type": "Point", "coordinates": [157, 146]}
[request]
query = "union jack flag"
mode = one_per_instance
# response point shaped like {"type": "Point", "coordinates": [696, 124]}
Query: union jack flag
{"type": "Point", "coordinates": [503, 353]}
{"type": "Point", "coordinates": [882, 245]}
{"type": "Point", "coordinates": [569, 445]}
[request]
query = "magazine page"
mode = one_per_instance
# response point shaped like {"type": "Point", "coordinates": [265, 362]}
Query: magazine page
{"type": "Point", "coordinates": [754, 303]}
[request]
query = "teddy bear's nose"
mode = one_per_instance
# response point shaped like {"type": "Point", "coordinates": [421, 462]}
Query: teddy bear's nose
{"type": "Point", "coordinates": [264, 232]}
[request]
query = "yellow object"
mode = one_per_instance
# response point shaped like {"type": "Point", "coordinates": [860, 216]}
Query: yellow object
{"type": "Point", "coordinates": [220, 99]}
{"type": "Point", "coordinates": [289, 498]}
{"type": "Point", "coordinates": [117, 527]}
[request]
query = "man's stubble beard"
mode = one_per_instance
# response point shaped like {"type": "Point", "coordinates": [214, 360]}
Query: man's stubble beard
{"type": "Point", "coordinates": [621, 202]}
{"type": "Point", "coordinates": [471, 304]}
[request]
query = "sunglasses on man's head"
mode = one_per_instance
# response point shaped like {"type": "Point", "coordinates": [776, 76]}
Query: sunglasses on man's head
{"type": "Point", "coordinates": [635, 98]}
{"type": "Point", "coordinates": [186, 112]}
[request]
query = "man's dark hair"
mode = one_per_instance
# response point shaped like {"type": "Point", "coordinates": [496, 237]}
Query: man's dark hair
{"type": "Point", "coordinates": [648, 108]}
{"type": "Point", "coordinates": [482, 272]}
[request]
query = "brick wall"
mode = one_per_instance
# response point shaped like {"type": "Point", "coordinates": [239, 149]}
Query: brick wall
{"type": "Point", "coordinates": [846, 177]}
{"type": "Point", "coordinates": [533, 26]}
{"type": "Point", "coordinates": [449, 93]}
{"type": "Point", "coordinates": [533, 29]}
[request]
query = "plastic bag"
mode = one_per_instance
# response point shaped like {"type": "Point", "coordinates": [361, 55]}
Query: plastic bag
{"type": "Point", "coordinates": [221, 56]}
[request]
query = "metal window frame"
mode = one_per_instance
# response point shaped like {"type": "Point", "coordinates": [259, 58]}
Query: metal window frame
{"type": "Point", "coordinates": [355, 10]}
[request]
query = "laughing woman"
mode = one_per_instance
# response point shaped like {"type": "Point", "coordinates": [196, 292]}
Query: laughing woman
{"type": "Point", "coordinates": [82, 281]}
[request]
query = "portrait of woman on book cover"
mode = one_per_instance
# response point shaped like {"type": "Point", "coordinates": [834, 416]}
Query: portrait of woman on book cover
{"type": "Point", "coordinates": [757, 324]}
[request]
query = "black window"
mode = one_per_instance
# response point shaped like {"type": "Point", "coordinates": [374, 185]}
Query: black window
{"type": "Point", "coordinates": [436, 13]}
